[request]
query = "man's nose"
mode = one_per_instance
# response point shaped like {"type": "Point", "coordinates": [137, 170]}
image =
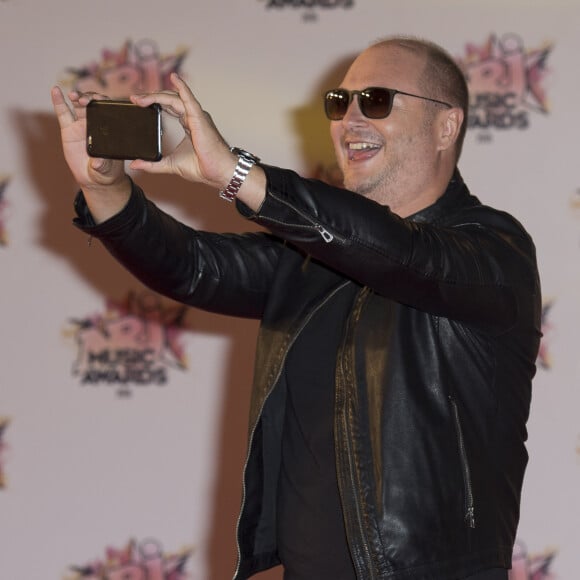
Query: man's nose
{"type": "Point", "coordinates": [353, 112]}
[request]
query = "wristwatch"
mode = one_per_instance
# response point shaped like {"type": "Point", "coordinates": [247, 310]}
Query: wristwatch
{"type": "Point", "coordinates": [245, 162]}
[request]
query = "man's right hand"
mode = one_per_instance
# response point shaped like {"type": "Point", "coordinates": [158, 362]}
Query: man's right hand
{"type": "Point", "coordinates": [105, 184]}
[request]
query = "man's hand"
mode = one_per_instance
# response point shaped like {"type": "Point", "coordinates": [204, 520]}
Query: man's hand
{"type": "Point", "coordinates": [104, 182]}
{"type": "Point", "coordinates": [203, 155]}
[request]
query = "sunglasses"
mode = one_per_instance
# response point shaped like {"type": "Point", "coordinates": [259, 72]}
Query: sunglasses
{"type": "Point", "coordinates": [374, 102]}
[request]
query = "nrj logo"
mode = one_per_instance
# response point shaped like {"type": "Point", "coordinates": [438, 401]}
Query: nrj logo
{"type": "Point", "coordinates": [3, 425]}
{"type": "Point", "coordinates": [506, 82]}
{"type": "Point", "coordinates": [309, 6]}
{"type": "Point", "coordinates": [135, 68]}
{"type": "Point", "coordinates": [145, 561]}
{"type": "Point", "coordinates": [130, 344]}
{"type": "Point", "coordinates": [4, 179]}
{"type": "Point", "coordinates": [531, 567]}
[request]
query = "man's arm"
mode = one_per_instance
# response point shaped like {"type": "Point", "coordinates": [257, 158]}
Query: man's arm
{"type": "Point", "coordinates": [227, 274]}
{"type": "Point", "coordinates": [475, 265]}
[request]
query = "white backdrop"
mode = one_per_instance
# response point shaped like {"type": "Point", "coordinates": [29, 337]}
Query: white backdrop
{"type": "Point", "coordinates": [123, 417]}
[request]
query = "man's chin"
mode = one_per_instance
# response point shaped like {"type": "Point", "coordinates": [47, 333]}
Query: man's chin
{"type": "Point", "coordinates": [358, 185]}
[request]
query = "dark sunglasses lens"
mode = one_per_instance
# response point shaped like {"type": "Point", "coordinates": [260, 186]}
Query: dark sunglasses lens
{"type": "Point", "coordinates": [336, 104]}
{"type": "Point", "coordinates": [375, 103]}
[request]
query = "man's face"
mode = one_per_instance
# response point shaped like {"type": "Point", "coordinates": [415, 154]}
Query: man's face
{"type": "Point", "coordinates": [390, 160]}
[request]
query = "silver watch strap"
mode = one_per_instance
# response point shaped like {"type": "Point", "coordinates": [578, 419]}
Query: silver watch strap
{"type": "Point", "coordinates": [245, 162]}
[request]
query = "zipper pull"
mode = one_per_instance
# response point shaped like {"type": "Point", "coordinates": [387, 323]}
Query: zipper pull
{"type": "Point", "coordinates": [326, 235]}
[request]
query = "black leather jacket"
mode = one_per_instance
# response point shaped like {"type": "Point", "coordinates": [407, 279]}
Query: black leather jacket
{"type": "Point", "coordinates": [433, 377]}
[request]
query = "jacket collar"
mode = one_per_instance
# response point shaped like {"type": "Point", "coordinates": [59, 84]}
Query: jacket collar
{"type": "Point", "coordinates": [456, 196]}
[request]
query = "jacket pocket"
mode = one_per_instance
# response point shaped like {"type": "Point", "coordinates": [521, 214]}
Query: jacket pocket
{"type": "Point", "coordinates": [469, 515]}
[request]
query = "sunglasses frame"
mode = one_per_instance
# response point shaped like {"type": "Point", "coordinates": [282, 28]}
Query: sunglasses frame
{"type": "Point", "coordinates": [363, 93]}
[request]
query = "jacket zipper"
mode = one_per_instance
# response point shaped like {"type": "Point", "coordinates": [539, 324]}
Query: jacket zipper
{"type": "Point", "coordinates": [251, 438]}
{"type": "Point", "coordinates": [357, 507]}
{"type": "Point", "coordinates": [370, 573]}
{"type": "Point", "coordinates": [324, 233]}
{"type": "Point", "coordinates": [470, 507]}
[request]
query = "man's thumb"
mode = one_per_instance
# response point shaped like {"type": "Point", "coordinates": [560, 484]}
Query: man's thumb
{"type": "Point", "coordinates": [100, 165]}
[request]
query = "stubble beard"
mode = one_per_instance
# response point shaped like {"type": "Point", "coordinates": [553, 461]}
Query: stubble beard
{"type": "Point", "coordinates": [381, 187]}
{"type": "Point", "coordinates": [396, 180]}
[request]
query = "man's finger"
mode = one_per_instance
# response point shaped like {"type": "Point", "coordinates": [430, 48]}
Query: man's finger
{"type": "Point", "coordinates": [170, 102]}
{"type": "Point", "coordinates": [101, 165]}
{"type": "Point", "coordinates": [160, 166]}
{"type": "Point", "coordinates": [191, 104]}
{"type": "Point", "coordinates": [64, 113]}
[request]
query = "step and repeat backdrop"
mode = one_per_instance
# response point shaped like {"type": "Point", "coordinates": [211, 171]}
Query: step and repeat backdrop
{"type": "Point", "coordinates": [122, 414]}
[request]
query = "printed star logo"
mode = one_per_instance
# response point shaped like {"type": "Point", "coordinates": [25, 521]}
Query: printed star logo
{"type": "Point", "coordinates": [144, 560]}
{"type": "Point", "coordinates": [505, 65]}
{"type": "Point", "coordinates": [135, 68]}
{"type": "Point", "coordinates": [534, 567]}
{"type": "Point", "coordinates": [149, 307]}
{"type": "Point", "coordinates": [132, 343]}
{"type": "Point", "coordinates": [506, 81]}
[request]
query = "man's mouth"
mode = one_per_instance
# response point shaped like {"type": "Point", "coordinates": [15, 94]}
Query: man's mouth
{"type": "Point", "coordinates": [360, 150]}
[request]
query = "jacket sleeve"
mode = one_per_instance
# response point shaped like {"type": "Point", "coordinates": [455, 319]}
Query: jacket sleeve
{"type": "Point", "coordinates": [224, 273]}
{"type": "Point", "coordinates": [475, 264]}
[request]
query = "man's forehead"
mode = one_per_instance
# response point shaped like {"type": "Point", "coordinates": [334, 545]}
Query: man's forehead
{"type": "Point", "coordinates": [385, 65]}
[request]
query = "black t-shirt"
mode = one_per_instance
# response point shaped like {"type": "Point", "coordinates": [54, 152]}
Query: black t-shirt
{"type": "Point", "coordinates": [311, 536]}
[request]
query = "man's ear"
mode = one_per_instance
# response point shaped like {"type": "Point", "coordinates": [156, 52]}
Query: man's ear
{"type": "Point", "coordinates": [450, 122]}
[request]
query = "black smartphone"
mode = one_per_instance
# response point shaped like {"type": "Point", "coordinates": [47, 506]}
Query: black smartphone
{"type": "Point", "coordinates": [122, 130]}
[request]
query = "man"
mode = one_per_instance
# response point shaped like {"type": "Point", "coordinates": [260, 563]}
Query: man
{"type": "Point", "coordinates": [399, 325]}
